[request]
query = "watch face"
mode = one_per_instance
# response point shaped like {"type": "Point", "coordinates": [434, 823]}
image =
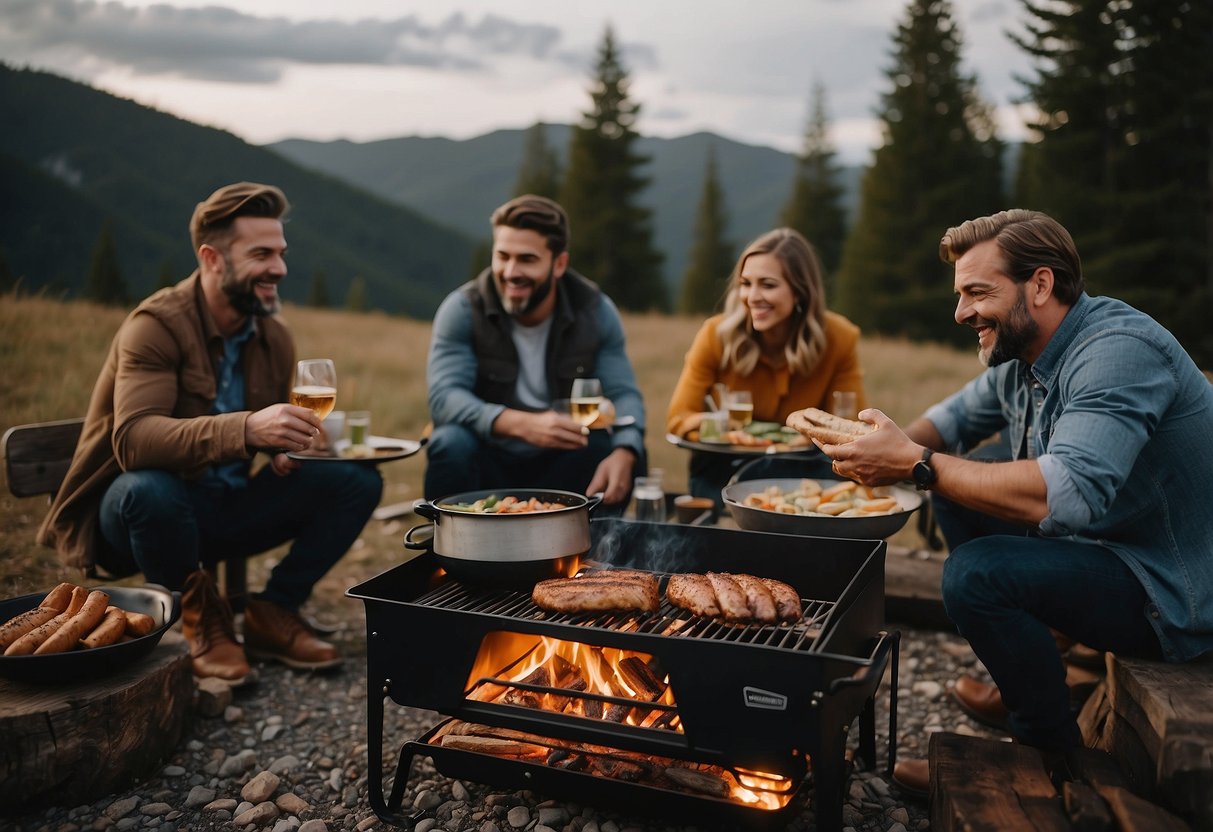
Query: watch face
{"type": "Point", "coordinates": [924, 474]}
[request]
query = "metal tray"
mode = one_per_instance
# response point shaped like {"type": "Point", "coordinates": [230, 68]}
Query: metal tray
{"type": "Point", "coordinates": [159, 603]}
{"type": "Point", "coordinates": [876, 527]}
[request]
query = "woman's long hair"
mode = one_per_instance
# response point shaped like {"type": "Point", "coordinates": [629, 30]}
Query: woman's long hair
{"type": "Point", "coordinates": [806, 331]}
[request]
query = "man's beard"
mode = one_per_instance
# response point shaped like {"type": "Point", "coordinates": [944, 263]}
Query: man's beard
{"type": "Point", "coordinates": [522, 308]}
{"type": "Point", "coordinates": [1012, 336]}
{"type": "Point", "coordinates": [242, 295]}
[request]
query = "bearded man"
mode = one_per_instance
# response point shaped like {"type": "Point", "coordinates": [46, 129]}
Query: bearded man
{"type": "Point", "coordinates": [194, 386]}
{"type": "Point", "coordinates": [505, 347]}
{"type": "Point", "coordinates": [1098, 525]}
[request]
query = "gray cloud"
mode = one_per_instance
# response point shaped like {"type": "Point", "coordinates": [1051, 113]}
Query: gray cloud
{"type": "Point", "coordinates": [224, 44]}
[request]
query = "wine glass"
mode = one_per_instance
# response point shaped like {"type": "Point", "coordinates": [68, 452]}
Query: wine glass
{"type": "Point", "coordinates": [740, 405]}
{"type": "Point", "coordinates": [585, 399]}
{"type": "Point", "coordinates": [315, 385]}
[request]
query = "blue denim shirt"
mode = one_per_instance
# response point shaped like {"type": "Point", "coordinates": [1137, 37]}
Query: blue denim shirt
{"type": "Point", "coordinates": [451, 374]}
{"type": "Point", "coordinates": [229, 398]}
{"type": "Point", "coordinates": [1122, 428]}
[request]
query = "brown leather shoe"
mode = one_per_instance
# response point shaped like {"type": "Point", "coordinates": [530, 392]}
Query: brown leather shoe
{"type": "Point", "coordinates": [981, 701]}
{"type": "Point", "coordinates": [277, 634]}
{"type": "Point", "coordinates": [206, 620]}
{"type": "Point", "coordinates": [913, 776]}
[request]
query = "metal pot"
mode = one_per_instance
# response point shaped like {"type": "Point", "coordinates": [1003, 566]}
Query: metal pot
{"type": "Point", "coordinates": [876, 527]}
{"type": "Point", "coordinates": [516, 548]}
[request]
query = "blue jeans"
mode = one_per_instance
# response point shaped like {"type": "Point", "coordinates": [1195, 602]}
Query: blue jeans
{"type": "Point", "coordinates": [1004, 592]}
{"type": "Point", "coordinates": [457, 460]}
{"type": "Point", "coordinates": [167, 527]}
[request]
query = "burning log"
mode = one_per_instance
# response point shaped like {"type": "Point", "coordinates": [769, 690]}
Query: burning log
{"type": "Point", "coordinates": [493, 745]}
{"type": "Point", "coordinates": [704, 782]}
{"type": "Point", "coordinates": [641, 679]}
{"type": "Point", "coordinates": [619, 769]}
{"type": "Point", "coordinates": [525, 698]}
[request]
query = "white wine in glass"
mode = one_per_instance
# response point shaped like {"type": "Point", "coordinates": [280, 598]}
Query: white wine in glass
{"type": "Point", "coordinates": [315, 386]}
{"type": "Point", "coordinates": [585, 400]}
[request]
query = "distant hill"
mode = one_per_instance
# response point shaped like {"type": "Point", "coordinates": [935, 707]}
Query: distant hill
{"type": "Point", "coordinates": [72, 158]}
{"type": "Point", "coordinates": [459, 183]}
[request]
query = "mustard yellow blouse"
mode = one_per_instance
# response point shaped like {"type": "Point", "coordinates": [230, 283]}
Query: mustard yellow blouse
{"type": "Point", "coordinates": [775, 390]}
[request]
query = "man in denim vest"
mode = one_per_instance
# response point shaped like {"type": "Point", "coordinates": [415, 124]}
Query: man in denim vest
{"type": "Point", "coordinates": [1099, 525]}
{"type": "Point", "coordinates": [505, 346]}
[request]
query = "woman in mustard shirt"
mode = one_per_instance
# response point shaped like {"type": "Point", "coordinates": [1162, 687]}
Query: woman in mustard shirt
{"type": "Point", "coordinates": [775, 339]}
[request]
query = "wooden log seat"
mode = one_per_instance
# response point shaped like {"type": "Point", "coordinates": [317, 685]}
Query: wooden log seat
{"type": "Point", "coordinates": [72, 743]}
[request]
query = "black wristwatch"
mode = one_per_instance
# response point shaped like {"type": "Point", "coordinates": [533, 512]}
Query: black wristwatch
{"type": "Point", "coordinates": [923, 473]}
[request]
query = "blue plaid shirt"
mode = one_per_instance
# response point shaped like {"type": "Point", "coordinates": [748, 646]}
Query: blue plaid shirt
{"type": "Point", "coordinates": [229, 398]}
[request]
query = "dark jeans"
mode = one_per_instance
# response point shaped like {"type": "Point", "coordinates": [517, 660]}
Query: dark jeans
{"type": "Point", "coordinates": [458, 461]}
{"type": "Point", "coordinates": [166, 527]}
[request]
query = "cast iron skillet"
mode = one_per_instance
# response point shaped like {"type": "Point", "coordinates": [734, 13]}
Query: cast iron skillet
{"type": "Point", "coordinates": [81, 665]}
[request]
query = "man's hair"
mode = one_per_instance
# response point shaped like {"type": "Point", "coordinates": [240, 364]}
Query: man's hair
{"type": "Point", "coordinates": [539, 214]}
{"type": "Point", "coordinates": [213, 218]}
{"type": "Point", "coordinates": [1028, 240]}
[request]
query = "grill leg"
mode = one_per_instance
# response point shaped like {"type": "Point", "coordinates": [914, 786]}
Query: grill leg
{"type": "Point", "coordinates": [867, 733]}
{"type": "Point", "coordinates": [829, 782]}
{"type": "Point", "coordinates": [389, 811]}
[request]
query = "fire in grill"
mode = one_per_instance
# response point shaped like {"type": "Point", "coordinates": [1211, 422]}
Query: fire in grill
{"type": "Point", "coordinates": [666, 710]}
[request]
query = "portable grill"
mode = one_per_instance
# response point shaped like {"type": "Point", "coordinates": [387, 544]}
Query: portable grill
{"type": "Point", "coordinates": [772, 699]}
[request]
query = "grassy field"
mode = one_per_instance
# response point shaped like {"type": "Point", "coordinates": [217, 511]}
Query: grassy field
{"type": "Point", "coordinates": [51, 352]}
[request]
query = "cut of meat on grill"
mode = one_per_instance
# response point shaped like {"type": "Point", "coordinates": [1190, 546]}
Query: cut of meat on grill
{"type": "Point", "coordinates": [787, 602]}
{"type": "Point", "coordinates": [603, 592]}
{"type": "Point", "coordinates": [694, 593]}
{"type": "Point", "coordinates": [734, 597]}
{"type": "Point", "coordinates": [757, 597]}
{"type": "Point", "coordinates": [730, 597]}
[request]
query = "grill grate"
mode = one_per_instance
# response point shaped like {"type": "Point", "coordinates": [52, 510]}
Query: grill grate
{"type": "Point", "coordinates": [669, 620]}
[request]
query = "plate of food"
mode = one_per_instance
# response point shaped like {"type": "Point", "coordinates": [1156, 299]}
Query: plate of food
{"type": "Point", "coordinates": [820, 508]}
{"type": "Point", "coordinates": [378, 449]}
{"type": "Point", "coordinates": [754, 438]}
{"type": "Point", "coordinates": [74, 632]}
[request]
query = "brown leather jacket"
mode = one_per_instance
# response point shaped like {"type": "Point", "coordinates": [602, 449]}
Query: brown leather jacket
{"type": "Point", "coordinates": [151, 408]}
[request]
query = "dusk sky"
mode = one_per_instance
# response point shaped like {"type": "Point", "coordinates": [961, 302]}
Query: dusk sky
{"type": "Point", "coordinates": [373, 69]}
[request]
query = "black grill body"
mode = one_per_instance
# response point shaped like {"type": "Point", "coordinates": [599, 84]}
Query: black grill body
{"type": "Point", "coordinates": [769, 698]}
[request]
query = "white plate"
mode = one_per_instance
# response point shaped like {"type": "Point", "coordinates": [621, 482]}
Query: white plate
{"type": "Point", "coordinates": [383, 449]}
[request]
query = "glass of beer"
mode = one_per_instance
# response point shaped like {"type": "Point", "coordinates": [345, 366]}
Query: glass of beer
{"type": "Point", "coordinates": [741, 408]}
{"type": "Point", "coordinates": [585, 400]}
{"type": "Point", "coordinates": [315, 385]}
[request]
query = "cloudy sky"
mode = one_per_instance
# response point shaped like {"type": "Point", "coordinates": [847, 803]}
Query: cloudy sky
{"type": "Point", "coordinates": [371, 69]}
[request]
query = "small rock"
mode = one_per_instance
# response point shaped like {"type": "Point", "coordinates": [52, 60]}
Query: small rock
{"type": "Point", "coordinates": [519, 817]}
{"type": "Point", "coordinates": [314, 825]}
{"type": "Point", "coordinates": [426, 825]}
{"type": "Point", "coordinates": [292, 803]}
{"type": "Point", "coordinates": [223, 804]}
{"type": "Point", "coordinates": [213, 696]}
{"type": "Point", "coordinates": [426, 800]}
{"type": "Point", "coordinates": [900, 815]}
{"type": "Point", "coordinates": [233, 714]}
{"type": "Point", "coordinates": [927, 689]}
{"type": "Point", "coordinates": [366, 823]}
{"type": "Point", "coordinates": [199, 796]}
{"type": "Point", "coordinates": [155, 810]}
{"type": "Point", "coordinates": [460, 792]}
{"type": "Point", "coordinates": [173, 771]}
{"type": "Point", "coordinates": [261, 787]}
{"type": "Point", "coordinates": [121, 808]}
{"type": "Point", "coordinates": [285, 763]}
{"type": "Point", "coordinates": [259, 814]}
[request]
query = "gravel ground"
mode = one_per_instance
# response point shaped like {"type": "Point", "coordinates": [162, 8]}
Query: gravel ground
{"type": "Point", "coordinates": [289, 753]}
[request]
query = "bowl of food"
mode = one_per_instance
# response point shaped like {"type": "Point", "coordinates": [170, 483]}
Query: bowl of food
{"type": "Point", "coordinates": [820, 508]}
{"type": "Point", "coordinates": [113, 641]}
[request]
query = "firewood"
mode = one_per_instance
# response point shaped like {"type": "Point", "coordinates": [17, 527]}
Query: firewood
{"type": "Point", "coordinates": [700, 781]}
{"type": "Point", "coordinates": [618, 769]}
{"type": "Point", "coordinates": [638, 675]}
{"type": "Point", "coordinates": [492, 745]}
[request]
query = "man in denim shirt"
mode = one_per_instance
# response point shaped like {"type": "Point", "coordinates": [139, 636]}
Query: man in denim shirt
{"type": "Point", "coordinates": [1100, 524]}
{"type": "Point", "coordinates": [508, 344]}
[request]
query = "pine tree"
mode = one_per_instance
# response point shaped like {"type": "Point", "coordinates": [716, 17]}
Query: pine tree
{"type": "Point", "coordinates": [711, 258]}
{"type": "Point", "coordinates": [355, 297]}
{"type": "Point", "coordinates": [939, 165]}
{"type": "Point", "coordinates": [105, 283]}
{"type": "Point", "coordinates": [814, 208]}
{"type": "Point", "coordinates": [539, 172]}
{"type": "Point", "coordinates": [1126, 95]}
{"type": "Point", "coordinates": [318, 294]}
{"type": "Point", "coordinates": [611, 233]}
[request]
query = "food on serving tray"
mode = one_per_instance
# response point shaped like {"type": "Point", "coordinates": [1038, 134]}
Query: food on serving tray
{"type": "Point", "coordinates": [810, 498]}
{"type": "Point", "coordinates": [69, 617]}
{"type": "Point", "coordinates": [602, 591]}
{"type": "Point", "coordinates": [826, 427]}
{"type": "Point", "coordinates": [734, 597]}
{"type": "Point", "coordinates": [493, 504]}
{"type": "Point", "coordinates": [756, 435]}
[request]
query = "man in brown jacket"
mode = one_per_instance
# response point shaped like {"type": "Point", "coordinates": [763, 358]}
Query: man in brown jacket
{"type": "Point", "coordinates": [193, 387]}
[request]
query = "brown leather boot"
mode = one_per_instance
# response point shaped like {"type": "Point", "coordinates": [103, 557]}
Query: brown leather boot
{"type": "Point", "coordinates": [210, 630]}
{"type": "Point", "coordinates": [277, 634]}
{"type": "Point", "coordinates": [981, 701]}
{"type": "Point", "coordinates": [913, 776]}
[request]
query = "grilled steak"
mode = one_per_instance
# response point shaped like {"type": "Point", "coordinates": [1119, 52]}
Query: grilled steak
{"type": "Point", "coordinates": [693, 593]}
{"type": "Point", "coordinates": [599, 593]}
{"type": "Point", "coordinates": [787, 601]}
{"type": "Point", "coordinates": [757, 597]}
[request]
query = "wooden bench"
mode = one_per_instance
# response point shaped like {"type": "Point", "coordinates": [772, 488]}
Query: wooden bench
{"type": "Point", "coordinates": [36, 459]}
